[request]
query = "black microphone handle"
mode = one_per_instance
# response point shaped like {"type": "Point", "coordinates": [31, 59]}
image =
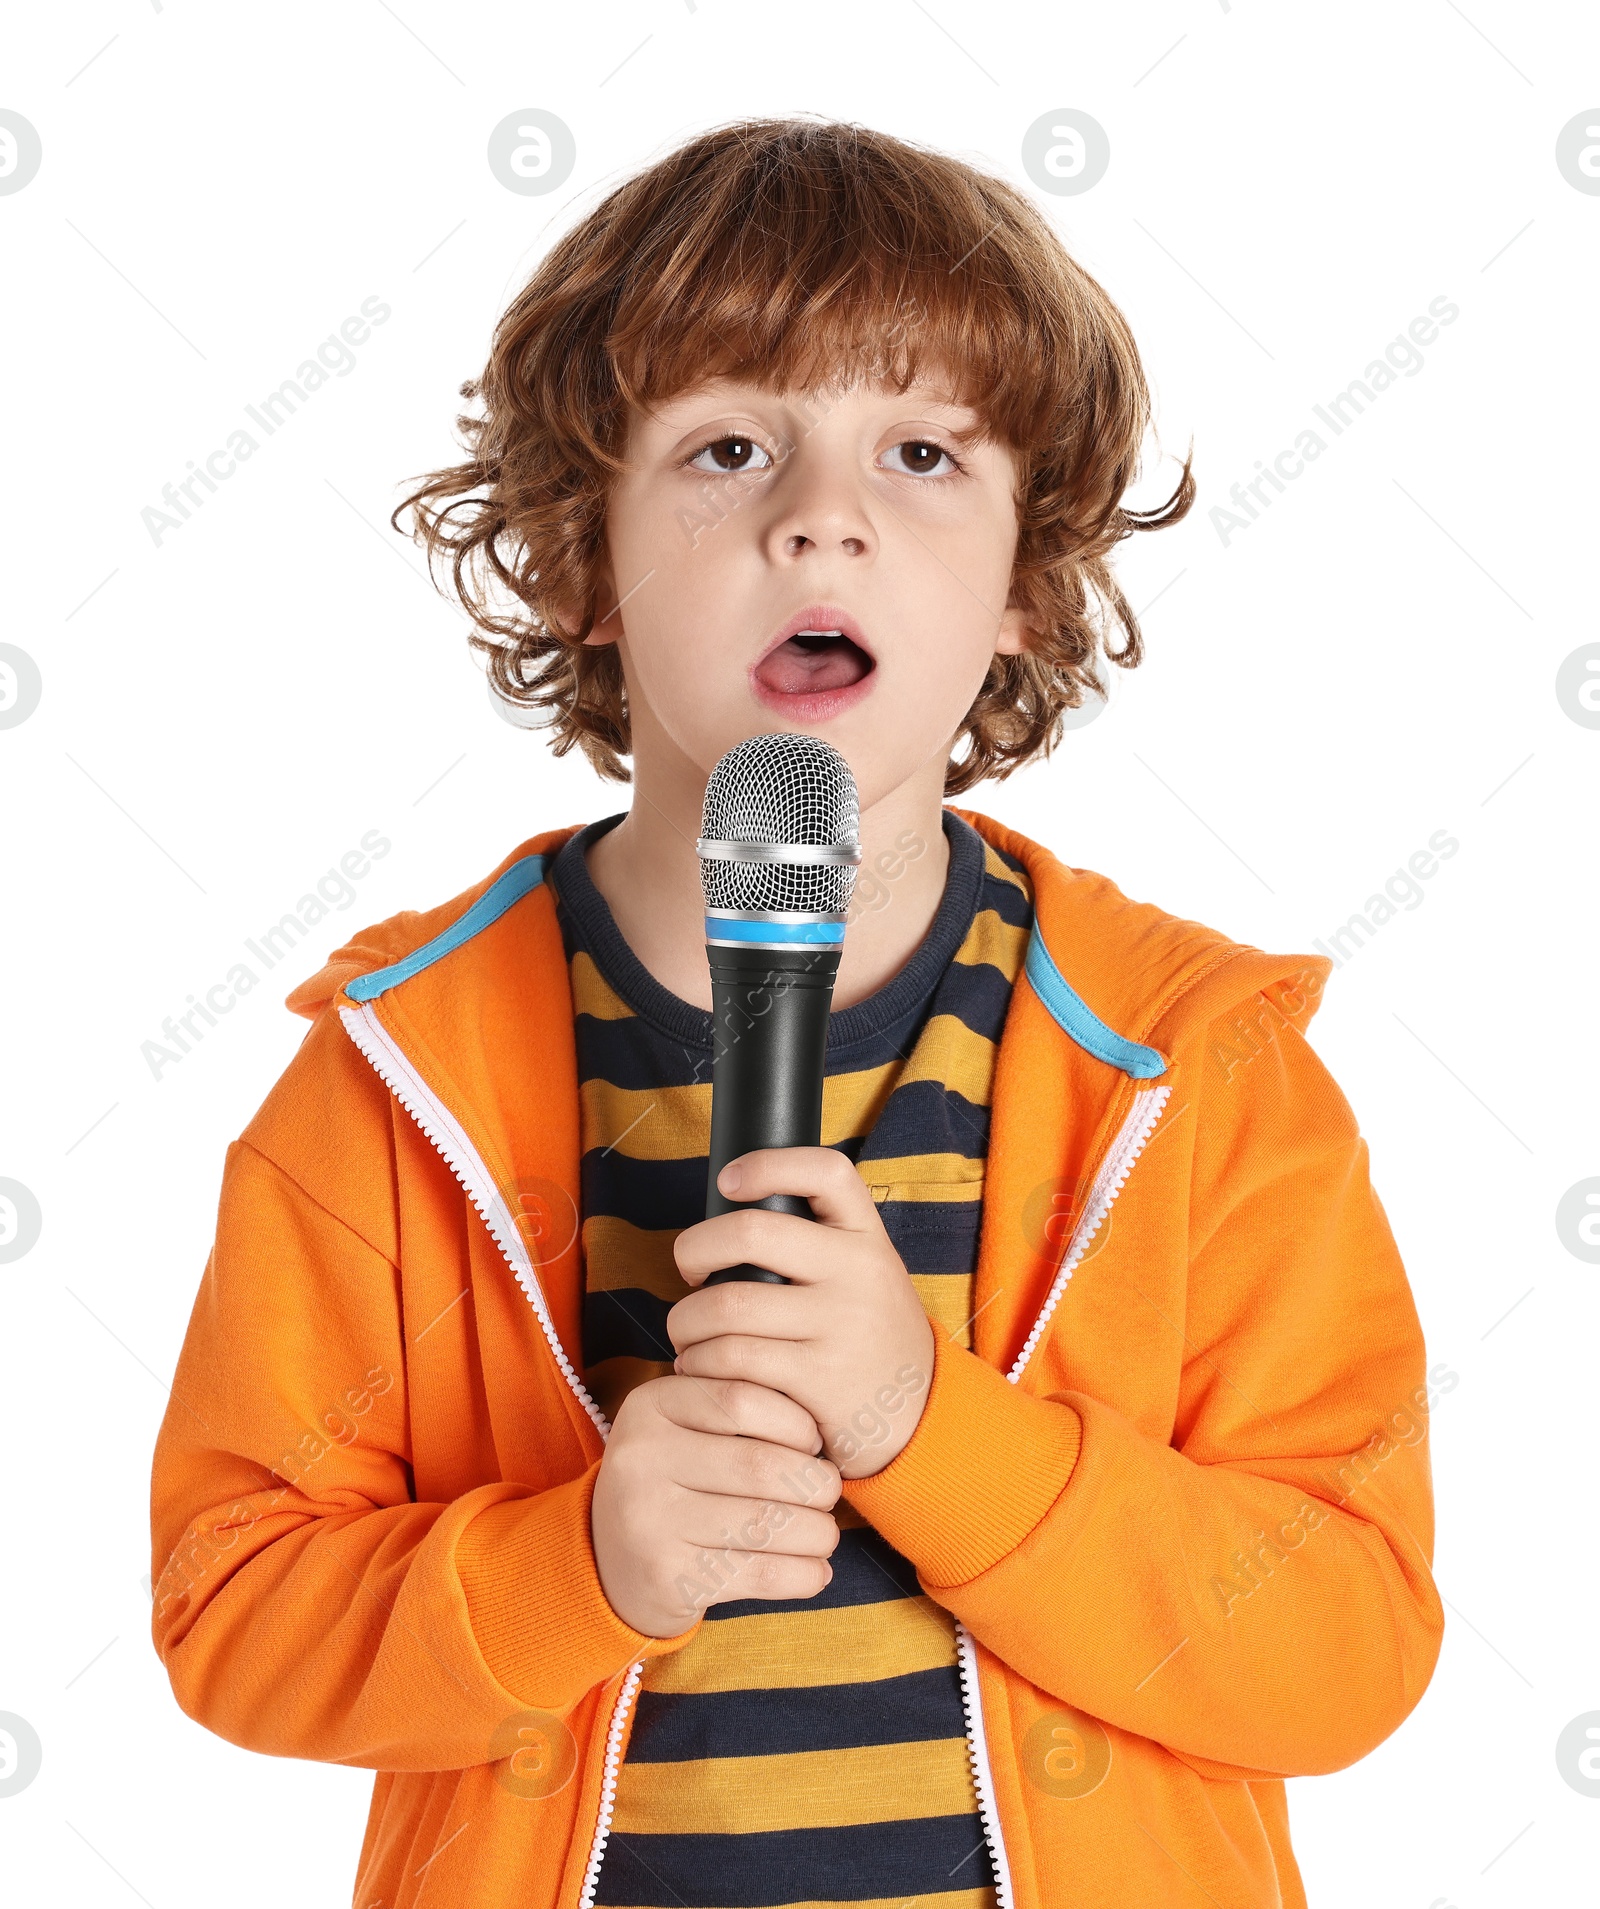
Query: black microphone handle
{"type": "Point", "coordinates": [769, 1034]}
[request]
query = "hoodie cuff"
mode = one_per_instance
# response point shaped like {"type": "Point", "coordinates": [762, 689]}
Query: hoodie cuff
{"type": "Point", "coordinates": [549, 1646]}
{"type": "Point", "coordinates": [984, 1465]}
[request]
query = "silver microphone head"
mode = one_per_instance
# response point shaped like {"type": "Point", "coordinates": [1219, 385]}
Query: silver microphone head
{"type": "Point", "coordinates": [781, 828]}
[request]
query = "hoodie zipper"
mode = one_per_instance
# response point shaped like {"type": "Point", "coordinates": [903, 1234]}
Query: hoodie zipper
{"type": "Point", "coordinates": [1118, 1164]}
{"type": "Point", "coordinates": [608, 1784]}
{"type": "Point", "coordinates": [455, 1148]}
{"type": "Point", "coordinates": [466, 1163]}
{"type": "Point", "coordinates": [982, 1775]}
{"type": "Point", "coordinates": [1109, 1182]}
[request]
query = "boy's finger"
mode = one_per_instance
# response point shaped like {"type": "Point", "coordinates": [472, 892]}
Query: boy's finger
{"type": "Point", "coordinates": [771, 1574]}
{"type": "Point", "coordinates": [760, 1575]}
{"type": "Point", "coordinates": [784, 1243]}
{"type": "Point", "coordinates": [720, 1523]}
{"type": "Point", "coordinates": [769, 1362]}
{"type": "Point", "coordinates": [749, 1468]}
{"type": "Point", "coordinates": [735, 1408]}
{"type": "Point", "coordinates": [823, 1175]}
{"type": "Point", "coordinates": [743, 1306]}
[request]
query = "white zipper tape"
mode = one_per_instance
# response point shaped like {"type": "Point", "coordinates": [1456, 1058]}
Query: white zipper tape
{"type": "Point", "coordinates": [982, 1774]}
{"type": "Point", "coordinates": [1125, 1149]}
{"type": "Point", "coordinates": [465, 1162]}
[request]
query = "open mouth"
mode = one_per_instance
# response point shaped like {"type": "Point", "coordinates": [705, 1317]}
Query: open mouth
{"type": "Point", "coordinates": [811, 662]}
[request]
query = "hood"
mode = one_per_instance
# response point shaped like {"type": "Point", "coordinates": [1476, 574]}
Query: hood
{"type": "Point", "coordinates": [472, 999]}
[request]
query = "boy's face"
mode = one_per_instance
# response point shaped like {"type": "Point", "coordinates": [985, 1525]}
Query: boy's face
{"type": "Point", "coordinates": [838, 564]}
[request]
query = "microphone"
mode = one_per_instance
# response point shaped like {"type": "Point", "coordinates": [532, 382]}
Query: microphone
{"type": "Point", "coordinates": [778, 860]}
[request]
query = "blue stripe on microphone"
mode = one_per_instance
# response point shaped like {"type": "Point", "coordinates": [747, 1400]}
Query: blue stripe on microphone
{"type": "Point", "coordinates": [798, 934]}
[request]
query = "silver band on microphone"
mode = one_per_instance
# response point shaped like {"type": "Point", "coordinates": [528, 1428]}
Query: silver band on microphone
{"type": "Point", "coordinates": [796, 854]}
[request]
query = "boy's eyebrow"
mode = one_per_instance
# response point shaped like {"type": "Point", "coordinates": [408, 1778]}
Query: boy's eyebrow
{"type": "Point", "coordinates": [656, 410]}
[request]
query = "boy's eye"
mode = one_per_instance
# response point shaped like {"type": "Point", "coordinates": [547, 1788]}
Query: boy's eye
{"type": "Point", "coordinates": [730, 454]}
{"type": "Point", "coordinates": [920, 458]}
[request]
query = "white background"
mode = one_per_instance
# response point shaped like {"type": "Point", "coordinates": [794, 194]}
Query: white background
{"type": "Point", "coordinates": [225, 715]}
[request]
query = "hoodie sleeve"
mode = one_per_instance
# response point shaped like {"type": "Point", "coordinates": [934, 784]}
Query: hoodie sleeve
{"type": "Point", "coordinates": [305, 1603]}
{"type": "Point", "coordinates": [1254, 1594]}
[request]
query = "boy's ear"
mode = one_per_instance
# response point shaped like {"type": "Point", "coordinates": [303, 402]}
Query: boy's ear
{"type": "Point", "coordinates": [1015, 629]}
{"type": "Point", "coordinates": [607, 623]}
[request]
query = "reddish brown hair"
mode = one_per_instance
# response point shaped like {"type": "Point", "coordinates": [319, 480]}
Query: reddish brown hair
{"type": "Point", "coordinates": [787, 251]}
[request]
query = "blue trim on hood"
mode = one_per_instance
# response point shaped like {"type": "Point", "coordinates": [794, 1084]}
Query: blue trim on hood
{"type": "Point", "coordinates": [1079, 1020]}
{"type": "Point", "coordinates": [518, 880]}
{"type": "Point", "coordinates": [1072, 1013]}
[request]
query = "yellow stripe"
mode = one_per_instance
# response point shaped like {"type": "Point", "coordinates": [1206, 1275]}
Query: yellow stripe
{"type": "Point", "coordinates": [952, 1055]}
{"type": "Point", "coordinates": [806, 1789]}
{"type": "Point", "coordinates": [592, 995]}
{"type": "Point", "coordinates": [851, 1103]}
{"type": "Point", "coordinates": [947, 1300]}
{"type": "Point", "coordinates": [789, 1650]}
{"type": "Point", "coordinates": [674, 1123]}
{"type": "Point", "coordinates": [993, 939]}
{"type": "Point", "coordinates": [928, 1176]}
{"type": "Point", "coordinates": [1003, 871]}
{"type": "Point", "coordinates": [621, 1254]}
{"type": "Point", "coordinates": [647, 1123]}
{"type": "Point", "coordinates": [956, 1192]}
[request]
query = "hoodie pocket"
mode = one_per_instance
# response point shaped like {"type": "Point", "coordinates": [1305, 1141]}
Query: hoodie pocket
{"type": "Point", "coordinates": [933, 1225]}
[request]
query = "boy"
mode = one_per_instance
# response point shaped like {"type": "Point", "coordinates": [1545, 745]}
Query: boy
{"type": "Point", "coordinates": [1073, 1493]}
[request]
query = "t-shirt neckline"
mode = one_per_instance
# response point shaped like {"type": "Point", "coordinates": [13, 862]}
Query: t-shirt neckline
{"type": "Point", "coordinates": [899, 999]}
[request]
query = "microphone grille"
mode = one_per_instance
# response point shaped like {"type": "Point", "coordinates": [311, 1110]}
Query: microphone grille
{"type": "Point", "coordinates": [786, 788]}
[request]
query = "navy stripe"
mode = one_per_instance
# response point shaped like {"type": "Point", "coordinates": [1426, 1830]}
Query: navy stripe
{"type": "Point", "coordinates": [626, 1323]}
{"type": "Point", "coordinates": [979, 994]}
{"type": "Point", "coordinates": [934, 1236]}
{"type": "Point", "coordinates": [866, 1570]}
{"type": "Point", "coordinates": [879, 1048]}
{"type": "Point", "coordinates": [926, 1856]}
{"type": "Point", "coordinates": [634, 1055]}
{"type": "Point", "coordinates": [655, 1193]}
{"type": "Point", "coordinates": [921, 1707]}
{"type": "Point", "coordinates": [924, 1116]}
{"type": "Point", "coordinates": [650, 1193]}
{"type": "Point", "coordinates": [1007, 901]}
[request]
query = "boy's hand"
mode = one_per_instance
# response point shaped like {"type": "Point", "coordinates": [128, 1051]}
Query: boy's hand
{"type": "Point", "coordinates": [849, 1339]}
{"type": "Point", "coordinates": [709, 1490]}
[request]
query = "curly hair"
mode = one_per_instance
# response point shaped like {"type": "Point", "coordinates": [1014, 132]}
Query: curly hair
{"type": "Point", "coordinates": [789, 252]}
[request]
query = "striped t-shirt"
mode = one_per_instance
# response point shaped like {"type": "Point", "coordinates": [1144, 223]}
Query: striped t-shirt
{"type": "Point", "coordinates": [795, 1751]}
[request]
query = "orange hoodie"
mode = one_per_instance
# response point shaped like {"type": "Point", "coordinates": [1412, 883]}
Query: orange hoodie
{"type": "Point", "coordinates": [1177, 1497]}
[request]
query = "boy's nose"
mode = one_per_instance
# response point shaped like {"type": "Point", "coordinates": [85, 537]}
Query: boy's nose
{"type": "Point", "coordinates": [799, 541]}
{"type": "Point", "coordinates": [824, 511]}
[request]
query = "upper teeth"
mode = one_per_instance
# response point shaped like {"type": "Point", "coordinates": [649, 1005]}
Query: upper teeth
{"type": "Point", "coordinates": [819, 632]}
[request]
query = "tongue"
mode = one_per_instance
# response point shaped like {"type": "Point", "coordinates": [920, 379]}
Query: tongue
{"type": "Point", "coordinates": [803, 666]}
